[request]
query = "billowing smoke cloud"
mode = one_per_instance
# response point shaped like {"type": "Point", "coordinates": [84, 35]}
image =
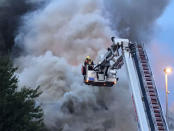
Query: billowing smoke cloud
{"type": "Point", "coordinates": [69, 104]}
{"type": "Point", "coordinates": [56, 38]}
{"type": "Point", "coordinates": [67, 28]}
{"type": "Point", "coordinates": [135, 19]}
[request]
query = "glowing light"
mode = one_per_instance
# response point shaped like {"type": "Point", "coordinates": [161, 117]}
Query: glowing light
{"type": "Point", "coordinates": [168, 70]}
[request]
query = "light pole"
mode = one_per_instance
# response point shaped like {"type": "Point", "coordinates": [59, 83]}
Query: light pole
{"type": "Point", "coordinates": [167, 71]}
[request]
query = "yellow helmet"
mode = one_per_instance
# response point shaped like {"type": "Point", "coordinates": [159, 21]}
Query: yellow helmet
{"type": "Point", "coordinates": [88, 57]}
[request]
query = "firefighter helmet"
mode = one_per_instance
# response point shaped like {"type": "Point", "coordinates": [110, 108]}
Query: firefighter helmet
{"type": "Point", "coordinates": [88, 57]}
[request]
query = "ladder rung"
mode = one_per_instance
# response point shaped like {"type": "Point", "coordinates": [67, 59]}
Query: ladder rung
{"type": "Point", "coordinates": [151, 90]}
{"type": "Point", "coordinates": [154, 102]}
{"type": "Point", "coordinates": [143, 58]}
{"type": "Point", "coordinates": [149, 83]}
{"type": "Point", "coordinates": [158, 119]}
{"type": "Point", "coordinates": [159, 123]}
{"type": "Point", "coordinates": [150, 86]}
{"type": "Point", "coordinates": [156, 111]}
{"type": "Point", "coordinates": [153, 97]}
{"type": "Point", "coordinates": [141, 50]}
{"type": "Point", "coordinates": [143, 61]}
{"type": "Point", "coordinates": [146, 72]}
{"type": "Point", "coordinates": [145, 68]}
{"type": "Point", "coordinates": [152, 94]}
{"type": "Point", "coordinates": [145, 65]}
{"type": "Point", "coordinates": [139, 46]}
{"type": "Point", "coordinates": [141, 53]}
{"type": "Point", "coordinates": [147, 75]}
{"type": "Point", "coordinates": [148, 79]}
{"type": "Point", "coordinates": [155, 107]}
{"type": "Point", "coordinates": [161, 128]}
{"type": "Point", "coordinates": [157, 115]}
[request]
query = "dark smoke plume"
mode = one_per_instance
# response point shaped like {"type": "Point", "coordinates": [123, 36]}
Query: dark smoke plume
{"type": "Point", "coordinates": [10, 14]}
{"type": "Point", "coordinates": [135, 19]}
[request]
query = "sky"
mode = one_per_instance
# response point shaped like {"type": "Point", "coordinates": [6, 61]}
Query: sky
{"type": "Point", "coordinates": [163, 45]}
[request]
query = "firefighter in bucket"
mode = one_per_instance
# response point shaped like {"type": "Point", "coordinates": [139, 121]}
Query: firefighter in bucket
{"type": "Point", "coordinates": [87, 64]}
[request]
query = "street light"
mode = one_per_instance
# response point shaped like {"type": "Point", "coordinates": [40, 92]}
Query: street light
{"type": "Point", "coordinates": [167, 71]}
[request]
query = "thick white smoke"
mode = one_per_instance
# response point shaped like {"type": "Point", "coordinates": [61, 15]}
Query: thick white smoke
{"type": "Point", "coordinates": [56, 40]}
{"type": "Point", "coordinates": [68, 103]}
{"type": "Point", "coordinates": [69, 29]}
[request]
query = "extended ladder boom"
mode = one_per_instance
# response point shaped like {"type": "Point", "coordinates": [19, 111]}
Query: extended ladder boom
{"type": "Point", "coordinates": [142, 85]}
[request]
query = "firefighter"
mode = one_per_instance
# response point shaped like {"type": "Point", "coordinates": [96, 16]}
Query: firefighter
{"type": "Point", "coordinates": [89, 62]}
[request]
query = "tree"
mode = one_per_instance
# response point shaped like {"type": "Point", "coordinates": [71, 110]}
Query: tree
{"type": "Point", "coordinates": [18, 109]}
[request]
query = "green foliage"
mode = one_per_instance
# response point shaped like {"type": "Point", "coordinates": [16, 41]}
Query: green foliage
{"type": "Point", "coordinates": [18, 109]}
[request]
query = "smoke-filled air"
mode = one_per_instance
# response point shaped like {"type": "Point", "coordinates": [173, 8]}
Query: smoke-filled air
{"type": "Point", "coordinates": [54, 39]}
{"type": "Point", "coordinates": [135, 19]}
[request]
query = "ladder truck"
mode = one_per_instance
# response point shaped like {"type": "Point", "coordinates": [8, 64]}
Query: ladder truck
{"type": "Point", "coordinates": [149, 112]}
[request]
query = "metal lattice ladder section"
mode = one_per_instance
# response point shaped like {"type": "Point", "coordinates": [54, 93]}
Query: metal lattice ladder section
{"type": "Point", "coordinates": [151, 91]}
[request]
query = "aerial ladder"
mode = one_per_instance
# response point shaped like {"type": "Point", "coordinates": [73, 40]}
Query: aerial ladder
{"type": "Point", "coordinates": [149, 112]}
